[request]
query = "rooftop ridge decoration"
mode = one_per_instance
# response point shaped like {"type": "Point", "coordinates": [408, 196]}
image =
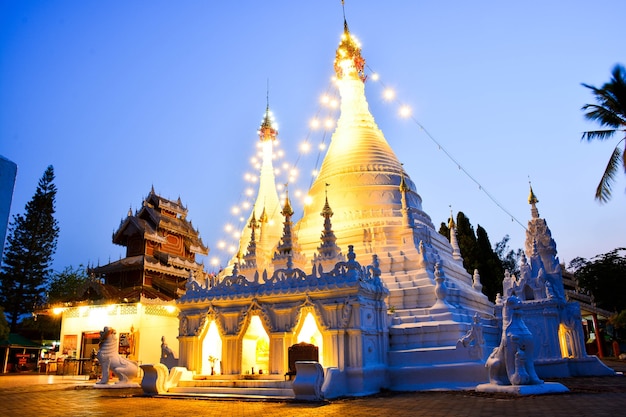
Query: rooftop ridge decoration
{"type": "Point", "coordinates": [283, 281]}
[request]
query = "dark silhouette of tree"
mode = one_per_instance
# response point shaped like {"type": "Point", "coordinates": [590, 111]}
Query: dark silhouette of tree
{"type": "Point", "coordinates": [610, 111]}
{"type": "Point", "coordinates": [488, 264]}
{"type": "Point", "coordinates": [67, 285]}
{"type": "Point", "coordinates": [31, 243]}
{"type": "Point", "coordinates": [604, 277]}
{"type": "Point", "coordinates": [4, 326]}
{"type": "Point", "coordinates": [478, 254]}
{"type": "Point", "coordinates": [509, 257]}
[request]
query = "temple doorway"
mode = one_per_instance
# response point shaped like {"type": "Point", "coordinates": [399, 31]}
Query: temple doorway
{"type": "Point", "coordinates": [255, 356]}
{"type": "Point", "coordinates": [212, 351]}
{"type": "Point", "coordinates": [310, 333]}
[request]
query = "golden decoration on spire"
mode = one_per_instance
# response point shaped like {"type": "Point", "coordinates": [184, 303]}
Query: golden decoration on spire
{"type": "Point", "coordinates": [532, 198]}
{"type": "Point", "coordinates": [287, 210]}
{"type": "Point", "coordinates": [451, 224]}
{"type": "Point", "coordinates": [348, 60]}
{"type": "Point", "coordinates": [267, 131]}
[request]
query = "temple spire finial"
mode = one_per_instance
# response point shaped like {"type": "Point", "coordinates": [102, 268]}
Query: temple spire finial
{"type": "Point", "coordinates": [267, 131]}
{"type": "Point", "coordinates": [533, 200]}
{"type": "Point", "coordinates": [348, 60]}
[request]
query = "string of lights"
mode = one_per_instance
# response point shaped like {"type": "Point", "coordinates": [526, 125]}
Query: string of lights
{"type": "Point", "coordinates": [323, 121]}
{"type": "Point", "coordinates": [405, 111]}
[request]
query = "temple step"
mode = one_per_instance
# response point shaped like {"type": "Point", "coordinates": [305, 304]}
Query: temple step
{"type": "Point", "coordinates": [234, 388]}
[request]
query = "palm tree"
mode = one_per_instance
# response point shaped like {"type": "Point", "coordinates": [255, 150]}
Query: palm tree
{"type": "Point", "coordinates": [610, 111]}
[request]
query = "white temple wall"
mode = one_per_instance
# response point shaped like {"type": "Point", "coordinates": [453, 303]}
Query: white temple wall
{"type": "Point", "coordinates": [148, 323]}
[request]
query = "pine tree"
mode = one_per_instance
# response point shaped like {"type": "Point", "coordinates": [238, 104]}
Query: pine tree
{"type": "Point", "coordinates": [489, 265]}
{"type": "Point", "coordinates": [31, 243]}
{"type": "Point", "coordinates": [477, 254]}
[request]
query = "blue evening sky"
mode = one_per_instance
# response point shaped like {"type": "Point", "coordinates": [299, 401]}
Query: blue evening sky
{"type": "Point", "coordinates": [121, 96]}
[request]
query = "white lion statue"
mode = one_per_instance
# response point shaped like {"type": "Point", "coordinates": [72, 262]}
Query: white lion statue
{"type": "Point", "coordinates": [110, 359]}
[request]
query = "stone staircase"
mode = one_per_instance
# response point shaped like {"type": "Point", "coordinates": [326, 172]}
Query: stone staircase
{"type": "Point", "coordinates": [235, 386]}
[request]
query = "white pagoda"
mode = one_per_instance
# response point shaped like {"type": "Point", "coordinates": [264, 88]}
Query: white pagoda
{"type": "Point", "coordinates": [363, 280]}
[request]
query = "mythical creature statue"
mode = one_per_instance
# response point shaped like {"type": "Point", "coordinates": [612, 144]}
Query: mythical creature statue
{"type": "Point", "coordinates": [511, 363]}
{"type": "Point", "coordinates": [110, 360]}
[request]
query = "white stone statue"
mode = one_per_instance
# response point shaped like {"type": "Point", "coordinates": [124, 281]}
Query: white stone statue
{"type": "Point", "coordinates": [473, 339]}
{"type": "Point", "coordinates": [110, 359]}
{"type": "Point", "coordinates": [511, 363]}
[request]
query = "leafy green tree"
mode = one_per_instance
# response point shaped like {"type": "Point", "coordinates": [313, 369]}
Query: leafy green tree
{"type": "Point", "coordinates": [604, 277]}
{"type": "Point", "coordinates": [477, 254]}
{"type": "Point", "coordinates": [31, 243]}
{"type": "Point", "coordinates": [509, 257]}
{"type": "Point", "coordinates": [68, 285]}
{"type": "Point", "coordinates": [4, 326]}
{"type": "Point", "coordinates": [610, 111]}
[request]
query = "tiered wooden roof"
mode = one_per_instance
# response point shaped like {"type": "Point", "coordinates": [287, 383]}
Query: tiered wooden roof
{"type": "Point", "coordinates": [161, 248]}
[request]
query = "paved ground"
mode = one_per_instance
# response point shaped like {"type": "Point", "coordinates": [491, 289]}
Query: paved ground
{"type": "Point", "coordinates": [50, 396]}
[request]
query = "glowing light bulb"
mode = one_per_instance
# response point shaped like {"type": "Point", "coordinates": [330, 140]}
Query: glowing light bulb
{"type": "Point", "coordinates": [228, 228]}
{"type": "Point", "coordinates": [280, 153]}
{"type": "Point", "coordinates": [334, 103]}
{"type": "Point", "coordinates": [328, 123]}
{"type": "Point", "coordinates": [315, 172]}
{"type": "Point", "coordinates": [389, 94]}
{"type": "Point", "coordinates": [215, 261]}
{"type": "Point", "coordinates": [247, 176]}
{"type": "Point", "coordinates": [253, 160]}
{"type": "Point", "coordinates": [315, 124]}
{"type": "Point", "coordinates": [254, 178]}
{"type": "Point", "coordinates": [285, 166]}
{"type": "Point", "coordinates": [405, 111]}
{"type": "Point", "coordinates": [276, 171]}
{"type": "Point", "coordinates": [308, 200]}
{"type": "Point", "coordinates": [325, 99]}
{"type": "Point", "coordinates": [241, 219]}
{"type": "Point", "coordinates": [237, 235]}
{"type": "Point", "coordinates": [280, 187]}
{"type": "Point", "coordinates": [298, 193]}
{"type": "Point", "coordinates": [232, 249]}
{"type": "Point", "coordinates": [234, 210]}
{"type": "Point", "coordinates": [375, 76]}
{"type": "Point", "coordinates": [245, 205]}
{"type": "Point", "coordinates": [322, 146]}
{"type": "Point", "coordinates": [305, 147]}
{"type": "Point", "coordinates": [249, 192]}
{"type": "Point", "coordinates": [221, 244]}
{"type": "Point", "coordinates": [293, 172]}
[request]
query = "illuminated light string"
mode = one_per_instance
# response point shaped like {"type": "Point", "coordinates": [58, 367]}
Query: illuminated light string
{"type": "Point", "coordinates": [228, 244]}
{"type": "Point", "coordinates": [405, 112]}
{"type": "Point", "coordinates": [331, 103]}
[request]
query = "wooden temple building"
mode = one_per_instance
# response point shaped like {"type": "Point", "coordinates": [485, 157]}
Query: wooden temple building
{"type": "Point", "coordinates": [161, 248]}
{"type": "Point", "coordinates": [136, 294]}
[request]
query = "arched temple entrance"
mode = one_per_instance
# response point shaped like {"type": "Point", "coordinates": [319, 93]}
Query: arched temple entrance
{"type": "Point", "coordinates": [212, 351]}
{"type": "Point", "coordinates": [309, 332]}
{"type": "Point", "coordinates": [255, 347]}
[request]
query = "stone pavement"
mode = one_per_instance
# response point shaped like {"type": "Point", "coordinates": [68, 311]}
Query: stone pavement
{"type": "Point", "coordinates": [50, 396]}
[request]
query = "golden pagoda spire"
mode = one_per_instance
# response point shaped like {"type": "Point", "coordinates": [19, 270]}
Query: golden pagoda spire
{"type": "Point", "coordinates": [533, 200]}
{"type": "Point", "coordinates": [268, 131]}
{"type": "Point", "coordinates": [348, 60]}
{"type": "Point", "coordinates": [287, 210]}
{"type": "Point", "coordinates": [327, 212]}
{"type": "Point", "coordinates": [451, 223]}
